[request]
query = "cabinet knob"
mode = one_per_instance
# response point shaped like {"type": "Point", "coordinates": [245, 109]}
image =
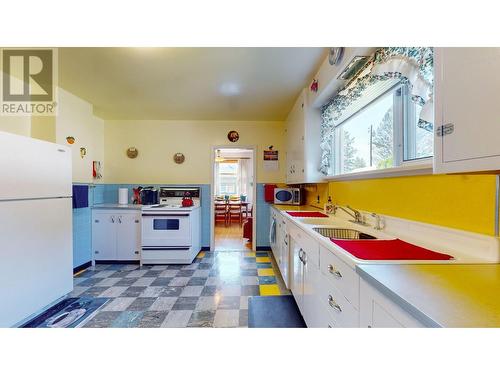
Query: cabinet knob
{"type": "Point", "coordinates": [96, 221]}
{"type": "Point", "coordinates": [334, 271]}
{"type": "Point", "coordinates": [136, 252]}
{"type": "Point", "coordinates": [137, 221]}
{"type": "Point", "coordinates": [96, 252]}
{"type": "Point", "coordinates": [112, 219]}
{"type": "Point", "coordinates": [333, 304]}
{"type": "Point", "coordinates": [120, 219]}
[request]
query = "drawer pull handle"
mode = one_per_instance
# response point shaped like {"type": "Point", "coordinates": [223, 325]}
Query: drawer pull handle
{"type": "Point", "coordinates": [334, 271]}
{"type": "Point", "coordinates": [333, 304]}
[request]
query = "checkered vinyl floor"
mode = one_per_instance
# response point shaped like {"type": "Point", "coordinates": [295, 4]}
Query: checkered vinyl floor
{"type": "Point", "coordinates": [213, 291]}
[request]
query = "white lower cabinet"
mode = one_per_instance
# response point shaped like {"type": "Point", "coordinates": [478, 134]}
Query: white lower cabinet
{"type": "Point", "coordinates": [116, 235]}
{"type": "Point", "coordinates": [305, 274]}
{"type": "Point", "coordinates": [378, 311]}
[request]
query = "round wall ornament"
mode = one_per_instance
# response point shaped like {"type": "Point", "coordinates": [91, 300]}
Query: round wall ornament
{"type": "Point", "coordinates": [179, 158]}
{"type": "Point", "coordinates": [233, 136]}
{"type": "Point", "coordinates": [132, 152]}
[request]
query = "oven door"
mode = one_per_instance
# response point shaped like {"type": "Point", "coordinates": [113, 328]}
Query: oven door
{"type": "Point", "coordinates": [166, 229]}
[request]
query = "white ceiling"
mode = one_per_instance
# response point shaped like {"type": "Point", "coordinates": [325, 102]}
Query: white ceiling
{"type": "Point", "coordinates": [189, 83]}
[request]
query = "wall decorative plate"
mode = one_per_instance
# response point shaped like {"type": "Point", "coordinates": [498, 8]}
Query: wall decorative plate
{"type": "Point", "coordinates": [132, 152]}
{"type": "Point", "coordinates": [70, 140]}
{"type": "Point", "coordinates": [179, 158]}
{"type": "Point", "coordinates": [233, 136]}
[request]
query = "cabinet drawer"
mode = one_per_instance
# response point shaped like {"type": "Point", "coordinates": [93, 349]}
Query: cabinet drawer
{"type": "Point", "coordinates": [307, 243]}
{"type": "Point", "coordinates": [343, 277]}
{"type": "Point", "coordinates": [344, 314]}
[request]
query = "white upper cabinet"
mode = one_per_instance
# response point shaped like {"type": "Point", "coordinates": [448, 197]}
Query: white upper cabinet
{"type": "Point", "coordinates": [302, 142]}
{"type": "Point", "coordinates": [467, 91]}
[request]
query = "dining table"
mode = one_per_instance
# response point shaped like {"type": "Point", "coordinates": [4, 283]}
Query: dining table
{"type": "Point", "coordinates": [244, 205]}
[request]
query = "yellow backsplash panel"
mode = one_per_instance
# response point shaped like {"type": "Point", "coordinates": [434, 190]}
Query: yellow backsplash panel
{"type": "Point", "coordinates": [458, 201]}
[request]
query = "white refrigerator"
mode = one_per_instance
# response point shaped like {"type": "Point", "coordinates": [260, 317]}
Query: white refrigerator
{"type": "Point", "coordinates": [36, 247]}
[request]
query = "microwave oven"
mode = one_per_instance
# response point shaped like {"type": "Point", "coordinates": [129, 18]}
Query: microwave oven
{"type": "Point", "coordinates": [291, 196]}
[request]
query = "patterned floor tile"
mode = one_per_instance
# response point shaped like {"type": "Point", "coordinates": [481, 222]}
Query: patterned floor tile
{"type": "Point", "coordinates": [103, 319]}
{"type": "Point", "coordinates": [163, 304]}
{"type": "Point", "coordinates": [141, 304]}
{"type": "Point", "coordinates": [185, 303]}
{"type": "Point", "coordinates": [118, 304]}
{"type": "Point", "coordinates": [265, 272]}
{"type": "Point", "coordinates": [250, 290]}
{"type": "Point", "coordinates": [192, 291]}
{"type": "Point", "coordinates": [227, 318]}
{"type": "Point", "coordinates": [144, 281]}
{"type": "Point", "coordinates": [267, 280]}
{"type": "Point", "coordinates": [203, 318]}
{"type": "Point", "coordinates": [269, 290]}
{"type": "Point", "coordinates": [229, 303]}
{"type": "Point", "coordinates": [133, 291]}
{"type": "Point", "coordinates": [207, 303]}
{"type": "Point", "coordinates": [177, 319]}
{"type": "Point", "coordinates": [213, 291]}
{"type": "Point", "coordinates": [243, 318]}
{"type": "Point", "coordinates": [152, 291]}
{"type": "Point", "coordinates": [197, 281]}
{"type": "Point", "coordinates": [152, 319]}
{"type": "Point", "coordinates": [179, 281]}
{"type": "Point", "coordinates": [113, 291]}
{"type": "Point", "coordinates": [110, 281]}
{"type": "Point", "coordinates": [171, 291]}
{"type": "Point", "coordinates": [249, 280]}
{"type": "Point", "coordinates": [128, 319]}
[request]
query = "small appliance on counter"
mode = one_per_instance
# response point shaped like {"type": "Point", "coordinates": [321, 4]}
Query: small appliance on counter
{"type": "Point", "coordinates": [123, 196]}
{"type": "Point", "coordinates": [149, 196]}
{"type": "Point", "coordinates": [187, 201]}
{"type": "Point", "coordinates": [290, 196]}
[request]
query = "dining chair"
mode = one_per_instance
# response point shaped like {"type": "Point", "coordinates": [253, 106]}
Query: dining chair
{"type": "Point", "coordinates": [234, 212]}
{"type": "Point", "coordinates": [221, 213]}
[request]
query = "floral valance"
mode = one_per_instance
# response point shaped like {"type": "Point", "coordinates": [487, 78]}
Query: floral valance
{"type": "Point", "coordinates": [412, 66]}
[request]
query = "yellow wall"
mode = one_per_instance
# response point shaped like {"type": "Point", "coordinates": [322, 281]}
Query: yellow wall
{"type": "Point", "coordinates": [75, 118]}
{"type": "Point", "coordinates": [44, 128]}
{"type": "Point", "coordinates": [20, 125]}
{"type": "Point", "coordinates": [157, 141]}
{"type": "Point", "coordinates": [458, 201]}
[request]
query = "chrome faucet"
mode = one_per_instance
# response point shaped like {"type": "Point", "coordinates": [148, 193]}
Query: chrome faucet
{"type": "Point", "coordinates": [355, 214]}
{"type": "Point", "coordinates": [379, 225]}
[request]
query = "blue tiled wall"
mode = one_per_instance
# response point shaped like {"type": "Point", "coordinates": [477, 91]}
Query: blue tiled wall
{"type": "Point", "coordinates": [82, 236]}
{"type": "Point", "coordinates": [108, 193]}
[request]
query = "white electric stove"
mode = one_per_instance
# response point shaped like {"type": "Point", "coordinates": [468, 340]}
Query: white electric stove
{"type": "Point", "coordinates": [171, 233]}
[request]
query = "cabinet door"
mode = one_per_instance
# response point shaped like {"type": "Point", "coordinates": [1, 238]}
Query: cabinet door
{"type": "Point", "coordinates": [467, 83]}
{"type": "Point", "coordinates": [297, 281]}
{"type": "Point", "coordinates": [279, 238]}
{"type": "Point", "coordinates": [378, 311]}
{"type": "Point", "coordinates": [312, 309]}
{"type": "Point", "coordinates": [104, 236]}
{"type": "Point", "coordinates": [128, 237]}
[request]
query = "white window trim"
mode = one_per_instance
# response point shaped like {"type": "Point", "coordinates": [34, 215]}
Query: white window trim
{"type": "Point", "coordinates": [409, 168]}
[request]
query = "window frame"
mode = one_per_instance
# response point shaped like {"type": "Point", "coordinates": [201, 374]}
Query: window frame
{"type": "Point", "coordinates": [402, 166]}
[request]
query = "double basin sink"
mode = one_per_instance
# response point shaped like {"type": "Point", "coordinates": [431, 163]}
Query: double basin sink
{"type": "Point", "coordinates": [335, 232]}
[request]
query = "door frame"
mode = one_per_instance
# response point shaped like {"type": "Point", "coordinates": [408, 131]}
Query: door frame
{"type": "Point", "coordinates": [213, 149]}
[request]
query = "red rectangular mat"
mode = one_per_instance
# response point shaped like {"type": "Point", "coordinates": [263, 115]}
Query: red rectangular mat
{"type": "Point", "coordinates": [306, 214]}
{"type": "Point", "coordinates": [388, 250]}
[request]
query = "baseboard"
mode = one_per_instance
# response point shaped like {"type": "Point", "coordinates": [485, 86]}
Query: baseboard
{"type": "Point", "coordinates": [82, 267]}
{"type": "Point", "coordinates": [263, 248]}
{"type": "Point", "coordinates": [205, 248]}
{"type": "Point", "coordinates": [117, 262]}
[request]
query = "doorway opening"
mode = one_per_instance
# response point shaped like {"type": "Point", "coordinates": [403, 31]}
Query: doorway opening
{"type": "Point", "coordinates": [233, 193]}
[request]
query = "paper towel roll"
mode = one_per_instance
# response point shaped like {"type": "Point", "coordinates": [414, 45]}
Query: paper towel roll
{"type": "Point", "coordinates": [122, 196]}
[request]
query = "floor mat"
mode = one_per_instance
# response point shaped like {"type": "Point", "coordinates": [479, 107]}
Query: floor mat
{"type": "Point", "coordinates": [68, 313]}
{"type": "Point", "coordinates": [274, 312]}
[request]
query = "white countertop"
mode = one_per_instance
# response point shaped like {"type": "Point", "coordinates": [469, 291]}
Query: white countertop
{"type": "Point", "coordinates": [458, 295]}
{"type": "Point", "coordinates": [114, 206]}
